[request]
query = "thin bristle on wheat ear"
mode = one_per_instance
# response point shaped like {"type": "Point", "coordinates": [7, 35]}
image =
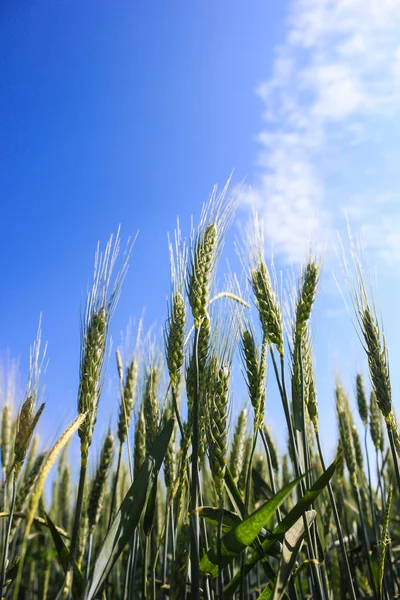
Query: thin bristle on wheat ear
{"type": "Point", "coordinates": [100, 305]}
{"type": "Point", "coordinates": [206, 245]}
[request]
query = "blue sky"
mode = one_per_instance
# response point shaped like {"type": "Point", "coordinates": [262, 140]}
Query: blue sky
{"type": "Point", "coordinates": [130, 112]}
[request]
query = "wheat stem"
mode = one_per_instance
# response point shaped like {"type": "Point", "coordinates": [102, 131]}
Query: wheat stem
{"type": "Point", "coordinates": [7, 536]}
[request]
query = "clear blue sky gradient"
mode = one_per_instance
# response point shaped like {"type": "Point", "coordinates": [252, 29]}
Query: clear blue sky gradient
{"type": "Point", "coordinates": [124, 112]}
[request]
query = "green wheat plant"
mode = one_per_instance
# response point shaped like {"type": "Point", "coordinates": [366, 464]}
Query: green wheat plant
{"type": "Point", "coordinates": [187, 495]}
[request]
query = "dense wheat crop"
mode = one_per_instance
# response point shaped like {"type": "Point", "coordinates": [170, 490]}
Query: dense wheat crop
{"type": "Point", "coordinates": [183, 501]}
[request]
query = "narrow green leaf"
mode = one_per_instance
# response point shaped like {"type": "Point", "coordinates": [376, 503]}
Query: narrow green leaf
{"type": "Point", "coordinates": [211, 514]}
{"type": "Point", "coordinates": [127, 518]}
{"type": "Point", "coordinates": [267, 592]}
{"type": "Point", "coordinates": [150, 509]}
{"type": "Point", "coordinates": [291, 547]}
{"type": "Point", "coordinates": [244, 533]}
{"type": "Point", "coordinates": [288, 521]}
{"type": "Point", "coordinates": [78, 582]}
{"type": "Point", "coordinates": [234, 493]}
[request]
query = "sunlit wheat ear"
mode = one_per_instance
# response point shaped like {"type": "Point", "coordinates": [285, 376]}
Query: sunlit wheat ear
{"type": "Point", "coordinates": [357, 447]}
{"type": "Point", "coordinates": [170, 462]}
{"type": "Point", "coordinates": [217, 395]}
{"type": "Point", "coordinates": [203, 347]}
{"type": "Point", "coordinates": [65, 497]}
{"type": "Point", "coordinates": [373, 339]}
{"type": "Point", "coordinates": [255, 374]}
{"type": "Point", "coordinates": [206, 245]}
{"type": "Point", "coordinates": [27, 421]}
{"type": "Point", "coordinates": [375, 423]}
{"type": "Point", "coordinates": [151, 408]}
{"type": "Point", "coordinates": [306, 296]}
{"type": "Point", "coordinates": [362, 403]}
{"type": "Point", "coordinates": [345, 433]}
{"type": "Point", "coordinates": [311, 395]}
{"type": "Point", "coordinates": [268, 306]}
{"type": "Point", "coordinates": [174, 333]}
{"type": "Point", "coordinates": [217, 406]}
{"type": "Point", "coordinates": [100, 482]}
{"type": "Point", "coordinates": [27, 418]}
{"type": "Point", "coordinates": [100, 305]}
{"type": "Point", "coordinates": [241, 483]}
{"type": "Point", "coordinates": [236, 458]}
{"type": "Point", "coordinates": [127, 399]}
{"type": "Point", "coordinates": [139, 452]}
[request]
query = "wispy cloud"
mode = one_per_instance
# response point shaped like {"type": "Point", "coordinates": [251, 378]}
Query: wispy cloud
{"type": "Point", "coordinates": [330, 108]}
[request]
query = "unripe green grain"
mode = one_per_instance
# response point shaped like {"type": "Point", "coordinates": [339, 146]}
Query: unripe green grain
{"type": "Point", "coordinates": [308, 289]}
{"type": "Point", "coordinates": [170, 462]}
{"type": "Point", "coordinates": [238, 445]}
{"type": "Point", "coordinates": [357, 447]}
{"type": "Point", "coordinates": [127, 400]}
{"type": "Point", "coordinates": [93, 353]}
{"type": "Point", "coordinates": [377, 361]}
{"type": "Point", "coordinates": [348, 447]}
{"type": "Point", "coordinates": [361, 399]}
{"type": "Point", "coordinates": [375, 422]}
{"type": "Point", "coordinates": [175, 338]}
{"type": "Point", "coordinates": [255, 375]}
{"type": "Point", "coordinates": [243, 473]}
{"type": "Point", "coordinates": [150, 406]}
{"type": "Point", "coordinates": [201, 268]}
{"type": "Point", "coordinates": [267, 304]}
{"type": "Point", "coordinates": [139, 452]}
{"type": "Point", "coordinates": [100, 482]}
{"type": "Point", "coordinates": [217, 433]}
{"type": "Point", "coordinates": [27, 422]}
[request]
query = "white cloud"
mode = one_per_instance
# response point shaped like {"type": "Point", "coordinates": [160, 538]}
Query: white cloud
{"type": "Point", "coordinates": [335, 82]}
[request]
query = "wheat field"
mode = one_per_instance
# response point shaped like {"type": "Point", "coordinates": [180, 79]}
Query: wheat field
{"type": "Point", "coordinates": [184, 501]}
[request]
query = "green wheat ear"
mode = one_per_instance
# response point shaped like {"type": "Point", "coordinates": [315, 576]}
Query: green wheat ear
{"type": "Point", "coordinates": [151, 406]}
{"type": "Point", "coordinates": [375, 422]}
{"type": "Point", "coordinates": [127, 400]}
{"type": "Point", "coordinates": [236, 458]}
{"type": "Point", "coordinates": [217, 399]}
{"type": "Point", "coordinates": [345, 433]}
{"type": "Point", "coordinates": [99, 482]}
{"type": "Point", "coordinates": [139, 451]}
{"type": "Point", "coordinates": [255, 370]}
{"type": "Point", "coordinates": [362, 403]}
